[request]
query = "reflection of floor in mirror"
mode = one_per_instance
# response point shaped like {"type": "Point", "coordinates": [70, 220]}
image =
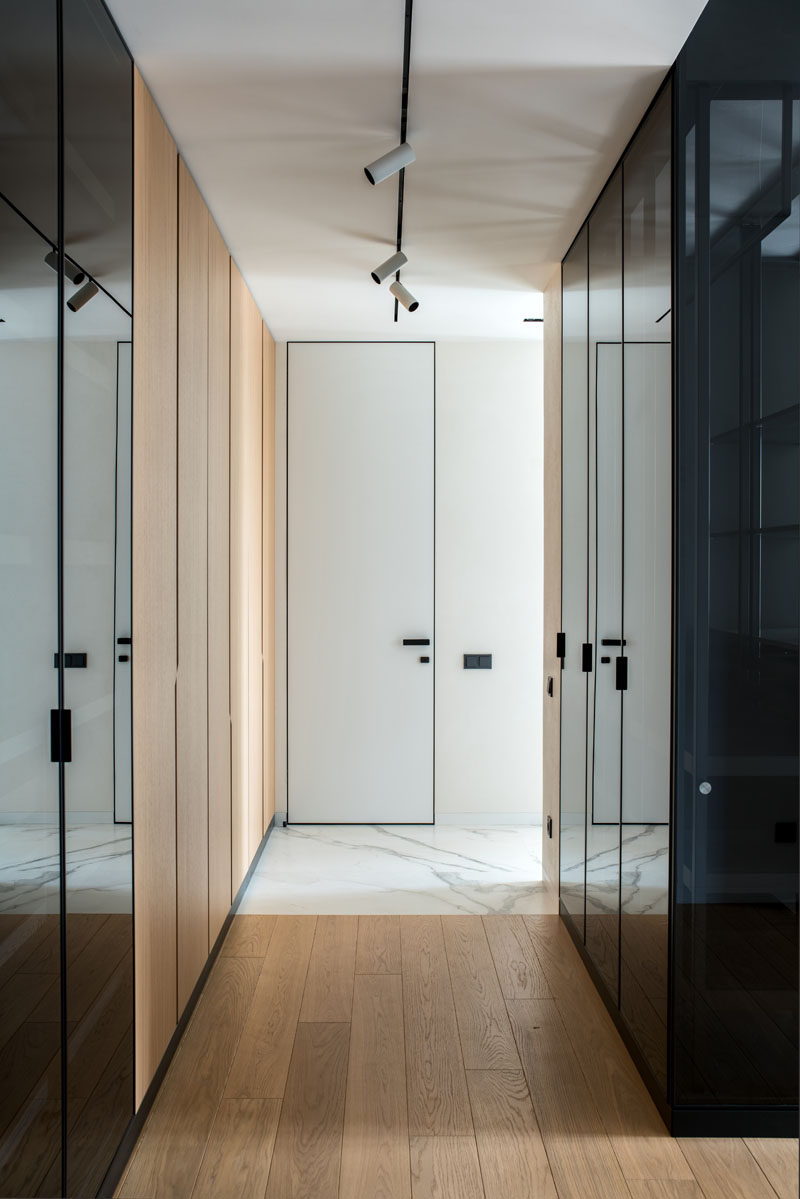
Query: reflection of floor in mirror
{"type": "Point", "coordinates": [99, 996]}
{"type": "Point", "coordinates": [98, 868]}
{"type": "Point", "coordinates": [645, 852]}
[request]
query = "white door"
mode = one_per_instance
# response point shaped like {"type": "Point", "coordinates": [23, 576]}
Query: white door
{"type": "Point", "coordinates": [360, 500]}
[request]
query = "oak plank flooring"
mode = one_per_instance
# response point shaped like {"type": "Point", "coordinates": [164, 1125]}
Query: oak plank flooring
{"type": "Point", "coordinates": [378, 948]}
{"type": "Point", "coordinates": [306, 1159]}
{"type": "Point", "coordinates": [375, 1152]}
{"type": "Point", "coordinates": [329, 986]}
{"type": "Point", "coordinates": [778, 1158]}
{"type": "Point", "coordinates": [261, 1065]}
{"type": "Point", "coordinates": [445, 1168]}
{"type": "Point", "coordinates": [249, 936]}
{"type": "Point", "coordinates": [438, 1102]}
{"type": "Point", "coordinates": [725, 1169]}
{"type": "Point", "coordinates": [581, 1157]}
{"type": "Point", "coordinates": [517, 966]}
{"type": "Point", "coordinates": [512, 1155]}
{"type": "Point", "coordinates": [487, 1042]}
{"type": "Point", "coordinates": [167, 1157]}
{"type": "Point", "coordinates": [380, 1105]}
{"type": "Point", "coordinates": [239, 1150]}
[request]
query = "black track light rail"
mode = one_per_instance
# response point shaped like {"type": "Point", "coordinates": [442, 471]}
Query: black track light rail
{"type": "Point", "coordinates": [401, 178]}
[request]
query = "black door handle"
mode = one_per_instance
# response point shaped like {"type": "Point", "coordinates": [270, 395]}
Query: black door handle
{"type": "Point", "coordinates": [612, 641]}
{"type": "Point", "coordinates": [416, 641]}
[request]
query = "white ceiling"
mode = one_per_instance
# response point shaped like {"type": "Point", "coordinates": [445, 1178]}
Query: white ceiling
{"type": "Point", "coordinates": [518, 111]}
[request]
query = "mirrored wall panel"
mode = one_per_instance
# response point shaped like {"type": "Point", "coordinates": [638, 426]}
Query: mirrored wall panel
{"type": "Point", "coordinates": [736, 752]}
{"type": "Point", "coordinates": [66, 936]}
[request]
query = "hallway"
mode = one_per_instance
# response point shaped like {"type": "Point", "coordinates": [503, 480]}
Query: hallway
{"type": "Point", "coordinates": [418, 1057]}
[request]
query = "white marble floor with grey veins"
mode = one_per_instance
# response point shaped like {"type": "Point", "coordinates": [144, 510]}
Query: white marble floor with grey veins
{"type": "Point", "coordinates": [399, 869]}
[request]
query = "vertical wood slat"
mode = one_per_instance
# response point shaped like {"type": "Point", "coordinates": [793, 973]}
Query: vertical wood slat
{"type": "Point", "coordinates": [219, 698]}
{"type": "Point", "coordinates": [154, 597]}
{"type": "Point", "coordinates": [192, 683]}
{"type": "Point", "coordinates": [246, 615]}
{"type": "Point", "coordinates": [551, 573]}
{"type": "Point", "coordinates": [268, 631]}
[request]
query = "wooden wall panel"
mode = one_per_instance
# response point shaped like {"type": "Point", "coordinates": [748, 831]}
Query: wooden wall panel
{"type": "Point", "coordinates": [551, 730]}
{"type": "Point", "coordinates": [246, 566]}
{"type": "Point", "coordinates": [219, 705]}
{"type": "Point", "coordinates": [192, 691]}
{"type": "Point", "coordinates": [268, 632]}
{"type": "Point", "coordinates": [155, 344]}
{"type": "Point", "coordinates": [255, 580]}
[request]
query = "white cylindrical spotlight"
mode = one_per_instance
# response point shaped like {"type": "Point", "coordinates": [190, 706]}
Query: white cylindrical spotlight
{"type": "Point", "coordinates": [405, 297]}
{"type": "Point", "coordinates": [390, 267]}
{"type": "Point", "coordinates": [401, 156]}
{"type": "Point", "coordinates": [86, 293]}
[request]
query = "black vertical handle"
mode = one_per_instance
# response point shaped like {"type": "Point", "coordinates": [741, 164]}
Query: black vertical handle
{"type": "Point", "coordinates": [60, 735]}
{"type": "Point", "coordinates": [586, 657]}
{"type": "Point", "coordinates": [561, 647]}
{"type": "Point", "coordinates": [622, 674]}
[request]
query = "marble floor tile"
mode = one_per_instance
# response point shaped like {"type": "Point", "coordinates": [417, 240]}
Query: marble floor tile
{"type": "Point", "coordinates": [399, 869]}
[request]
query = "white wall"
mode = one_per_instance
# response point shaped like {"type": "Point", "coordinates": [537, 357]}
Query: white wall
{"type": "Point", "coordinates": [488, 581]}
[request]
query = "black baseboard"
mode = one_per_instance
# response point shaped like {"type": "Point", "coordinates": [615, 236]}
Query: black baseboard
{"type": "Point", "coordinates": [131, 1135]}
{"type": "Point", "coordinates": [686, 1121]}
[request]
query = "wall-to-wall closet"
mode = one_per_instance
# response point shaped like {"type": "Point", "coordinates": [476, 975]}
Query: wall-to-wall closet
{"type": "Point", "coordinates": [136, 548]}
{"type": "Point", "coordinates": [203, 446]}
{"type": "Point", "coordinates": [680, 392]}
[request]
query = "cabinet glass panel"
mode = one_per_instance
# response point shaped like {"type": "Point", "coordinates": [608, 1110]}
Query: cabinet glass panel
{"type": "Point", "coordinates": [574, 566]}
{"type": "Point", "coordinates": [97, 482]}
{"type": "Point", "coordinates": [30, 860]}
{"type": "Point", "coordinates": [647, 587]}
{"type": "Point", "coordinates": [736, 753]}
{"type": "Point", "coordinates": [605, 582]}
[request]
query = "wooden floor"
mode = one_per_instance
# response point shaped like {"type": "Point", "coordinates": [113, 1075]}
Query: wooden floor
{"type": "Point", "coordinates": [419, 1057]}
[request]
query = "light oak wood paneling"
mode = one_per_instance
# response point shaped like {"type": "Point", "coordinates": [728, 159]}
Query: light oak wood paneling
{"type": "Point", "coordinates": [779, 1161]}
{"type": "Point", "coordinates": [442, 1167]}
{"type": "Point", "coordinates": [580, 1154]}
{"type": "Point", "coordinates": [725, 1169]}
{"type": "Point", "coordinates": [307, 1155]}
{"type": "Point", "coordinates": [551, 573]}
{"type": "Point", "coordinates": [375, 1153]}
{"type": "Point", "coordinates": [238, 1156]}
{"type": "Point", "coordinates": [219, 700]}
{"type": "Point", "coordinates": [261, 1066]}
{"type": "Point", "coordinates": [268, 633]}
{"type": "Point", "coordinates": [249, 936]}
{"type": "Point", "coordinates": [167, 1157]}
{"type": "Point", "coordinates": [154, 597]}
{"type": "Point", "coordinates": [192, 685]}
{"type": "Point", "coordinates": [513, 1160]}
{"type": "Point", "coordinates": [438, 1103]}
{"type": "Point", "coordinates": [378, 950]}
{"type": "Point", "coordinates": [518, 969]}
{"type": "Point", "coordinates": [246, 552]}
{"type": "Point", "coordinates": [329, 985]}
{"type": "Point", "coordinates": [487, 1042]}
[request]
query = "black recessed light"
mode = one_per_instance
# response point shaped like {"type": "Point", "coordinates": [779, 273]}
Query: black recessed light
{"type": "Point", "coordinates": [538, 320]}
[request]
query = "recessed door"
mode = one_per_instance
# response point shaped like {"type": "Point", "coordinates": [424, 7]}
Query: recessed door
{"type": "Point", "coordinates": [360, 582]}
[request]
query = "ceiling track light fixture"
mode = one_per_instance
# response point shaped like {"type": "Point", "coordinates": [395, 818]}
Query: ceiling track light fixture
{"type": "Point", "coordinates": [404, 296]}
{"type": "Point", "coordinates": [395, 162]}
{"type": "Point", "coordinates": [83, 296]}
{"type": "Point", "coordinates": [73, 272]}
{"type": "Point", "coordinates": [390, 267]}
{"type": "Point", "coordinates": [389, 164]}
